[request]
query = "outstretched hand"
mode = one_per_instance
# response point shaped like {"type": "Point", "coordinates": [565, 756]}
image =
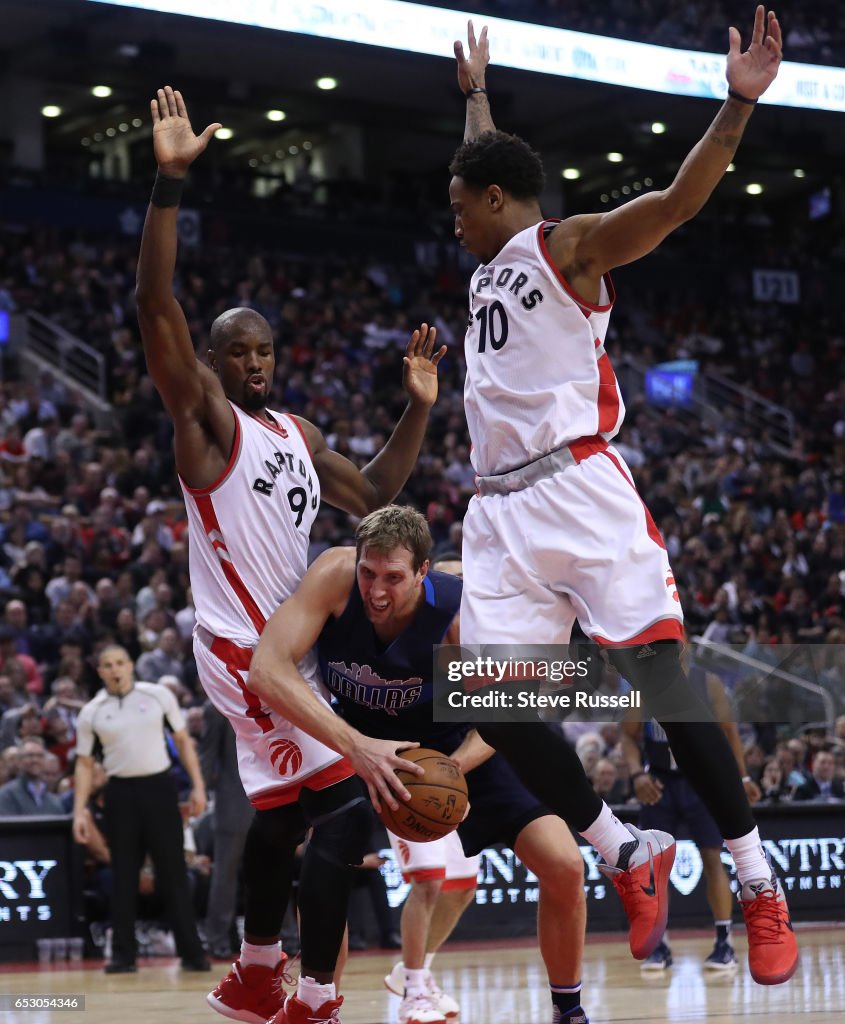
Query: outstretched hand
{"type": "Point", "coordinates": [471, 69]}
{"type": "Point", "coordinates": [419, 374]}
{"type": "Point", "coordinates": [752, 72]}
{"type": "Point", "coordinates": [174, 143]}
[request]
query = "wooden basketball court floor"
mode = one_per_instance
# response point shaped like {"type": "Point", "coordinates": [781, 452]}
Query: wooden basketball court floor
{"type": "Point", "coordinates": [501, 983]}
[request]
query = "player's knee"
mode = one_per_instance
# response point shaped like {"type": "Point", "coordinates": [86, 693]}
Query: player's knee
{"type": "Point", "coordinates": [344, 838]}
{"type": "Point", "coordinates": [425, 890]}
{"type": "Point", "coordinates": [459, 898]}
{"type": "Point", "coordinates": [560, 871]}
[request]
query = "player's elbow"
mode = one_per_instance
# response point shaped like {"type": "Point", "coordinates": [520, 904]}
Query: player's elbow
{"type": "Point", "coordinates": [678, 206]}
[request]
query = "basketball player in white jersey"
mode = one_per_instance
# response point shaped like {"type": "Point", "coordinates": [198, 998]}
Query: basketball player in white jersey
{"type": "Point", "coordinates": [253, 480]}
{"type": "Point", "coordinates": [557, 530]}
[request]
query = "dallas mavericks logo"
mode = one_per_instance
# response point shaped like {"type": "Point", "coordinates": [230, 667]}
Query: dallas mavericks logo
{"type": "Point", "coordinates": [359, 683]}
{"type": "Point", "coordinates": [686, 871]}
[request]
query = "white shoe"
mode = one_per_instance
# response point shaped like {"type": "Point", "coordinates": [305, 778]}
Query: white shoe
{"type": "Point", "coordinates": [448, 1006]}
{"type": "Point", "coordinates": [395, 981]}
{"type": "Point", "coordinates": [419, 1009]}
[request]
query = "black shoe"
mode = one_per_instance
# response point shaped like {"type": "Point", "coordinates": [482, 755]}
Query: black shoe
{"type": "Point", "coordinates": [221, 953]}
{"type": "Point", "coordinates": [392, 940]}
{"type": "Point", "coordinates": [119, 967]}
{"type": "Point", "coordinates": [358, 942]}
{"type": "Point", "coordinates": [197, 963]}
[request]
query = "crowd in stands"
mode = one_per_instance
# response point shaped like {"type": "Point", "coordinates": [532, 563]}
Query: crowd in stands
{"type": "Point", "coordinates": [811, 34]}
{"type": "Point", "coordinates": [93, 529]}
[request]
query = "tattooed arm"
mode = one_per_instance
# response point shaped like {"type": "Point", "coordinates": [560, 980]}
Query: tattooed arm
{"type": "Point", "coordinates": [471, 75]}
{"type": "Point", "coordinates": [587, 246]}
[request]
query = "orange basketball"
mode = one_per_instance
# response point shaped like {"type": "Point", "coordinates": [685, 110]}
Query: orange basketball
{"type": "Point", "coordinates": [438, 799]}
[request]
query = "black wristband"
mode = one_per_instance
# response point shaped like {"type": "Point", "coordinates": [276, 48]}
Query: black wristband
{"type": "Point", "coordinates": [167, 191]}
{"type": "Point", "coordinates": [475, 89]}
{"type": "Point", "coordinates": [742, 99]}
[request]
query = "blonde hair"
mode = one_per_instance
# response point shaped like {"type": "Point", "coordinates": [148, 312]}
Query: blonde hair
{"type": "Point", "coordinates": [395, 526]}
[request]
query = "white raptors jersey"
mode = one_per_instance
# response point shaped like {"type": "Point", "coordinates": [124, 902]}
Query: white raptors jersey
{"type": "Point", "coordinates": [538, 376]}
{"type": "Point", "coordinates": [248, 532]}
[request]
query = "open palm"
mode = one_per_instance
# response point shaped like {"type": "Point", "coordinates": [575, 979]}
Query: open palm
{"type": "Point", "coordinates": [752, 72]}
{"type": "Point", "coordinates": [174, 143]}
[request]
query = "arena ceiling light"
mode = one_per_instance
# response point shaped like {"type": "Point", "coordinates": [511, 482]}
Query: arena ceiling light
{"type": "Point", "coordinates": [754, 189]}
{"type": "Point", "coordinates": [658, 128]}
{"type": "Point", "coordinates": [326, 84]}
{"type": "Point", "coordinates": [730, 168]}
{"type": "Point", "coordinates": [615, 158]}
{"type": "Point", "coordinates": [224, 133]}
{"type": "Point", "coordinates": [570, 173]}
{"type": "Point", "coordinates": [51, 110]}
{"type": "Point", "coordinates": [276, 115]}
{"type": "Point", "coordinates": [102, 92]}
{"type": "Point", "coordinates": [799, 173]}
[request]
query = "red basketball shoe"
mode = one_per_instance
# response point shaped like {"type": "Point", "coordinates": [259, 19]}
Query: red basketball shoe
{"type": "Point", "coordinates": [772, 949]}
{"type": "Point", "coordinates": [251, 994]}
{"type": "Point", "coordinates": [296, 1012]}
{"type": "Point", "coordinates": [642, 882]}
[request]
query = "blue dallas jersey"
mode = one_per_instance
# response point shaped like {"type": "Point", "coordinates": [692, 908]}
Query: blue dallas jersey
{"type": "Point", "coordinates": [386, 691]}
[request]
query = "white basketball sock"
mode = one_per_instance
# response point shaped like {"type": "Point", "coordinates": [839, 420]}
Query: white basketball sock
{"type": "Point", "coordinates": [429, 957]}
{"type": "Point", "coordinates": [265, 956]}
{"type": "Point", "coordinates": [749, 857]}
{"type": "Point", "coordinates": [314, 995]}
{"type": "Point", "coordinates": [607, 834]}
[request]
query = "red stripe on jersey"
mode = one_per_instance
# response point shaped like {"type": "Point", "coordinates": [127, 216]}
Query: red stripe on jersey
{"type": "Point", "coordinates": [653, 532]}
{"type": "Point", "coordinates": [665, 629]}
{"type": "Point", "coordinates": [274, 428]}
{"type": "Point", "coordinates": [233, 457]}
{"type": "Point", "coordinates": [298, 426]}
{"type": "Point", "coordinates": [584, 447]}
{"type": "Point", "coordinates": [586, 307]}
{"type": "Point", "coordinates": [237, 660]}
{"type": "Point", "coordinates": [211, 526]}
{"type": "Point", "coordinates": [333, 773]}
{"type": "Point", "coordinates": [608, 395]}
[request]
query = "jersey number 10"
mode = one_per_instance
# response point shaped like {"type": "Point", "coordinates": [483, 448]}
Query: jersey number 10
{"type": "Point", "coordinates": [492, 319]}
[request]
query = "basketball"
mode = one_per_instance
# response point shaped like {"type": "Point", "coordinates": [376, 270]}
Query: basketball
{"type": "Point", "coordinates": [438, 799]}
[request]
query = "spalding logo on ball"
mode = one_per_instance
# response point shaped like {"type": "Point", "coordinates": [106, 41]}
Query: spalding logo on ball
{"type": "Point", "coordinates": [438, 799]}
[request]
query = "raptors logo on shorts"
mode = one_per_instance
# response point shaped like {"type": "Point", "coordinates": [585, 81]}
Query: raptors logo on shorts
{"type": "Point", "coordinates": [404, 852]}
{"type": "Point", "coordinates": [286, 757]}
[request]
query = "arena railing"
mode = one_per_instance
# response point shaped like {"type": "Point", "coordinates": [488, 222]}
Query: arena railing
{"type": "Point", "coordinates": [78, 365]}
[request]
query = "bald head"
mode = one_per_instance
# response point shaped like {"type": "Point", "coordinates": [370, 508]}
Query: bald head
{"type": "Point", "coordinates": [237, 324]}
{"type": "Point", "coordinates": [241, 355]}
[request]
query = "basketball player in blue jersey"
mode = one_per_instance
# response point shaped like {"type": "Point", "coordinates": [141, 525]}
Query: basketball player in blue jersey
{"type": "Point", "coordinates": [557, 530]}
{"type": "Point", "coordinates": [668, 801]}
{"type": "Point", "coordinates": [375, 612]}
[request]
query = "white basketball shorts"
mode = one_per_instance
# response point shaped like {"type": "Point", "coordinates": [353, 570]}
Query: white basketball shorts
{"type": "Point", "coordinates": [443, 858]}
{"type": "Point", "coordinates": [275, 758]}
{"type": "Point", "coordinates": [577, 543]}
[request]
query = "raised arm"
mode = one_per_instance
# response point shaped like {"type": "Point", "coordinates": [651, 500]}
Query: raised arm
{"type": "Point", "coordinates": [360, 491]}
{"type": "Point", "coordinates": [471, 81]}
{"type": "Point", "coordinates": [274, 677]}
{"type": "Point", "coordinates": [190, 391]}
{"type": "Point", "coordinates": [585, 247]}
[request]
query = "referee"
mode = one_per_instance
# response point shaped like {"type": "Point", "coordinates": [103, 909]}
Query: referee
{"type": "Point", "coordinates": [141, 804]}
